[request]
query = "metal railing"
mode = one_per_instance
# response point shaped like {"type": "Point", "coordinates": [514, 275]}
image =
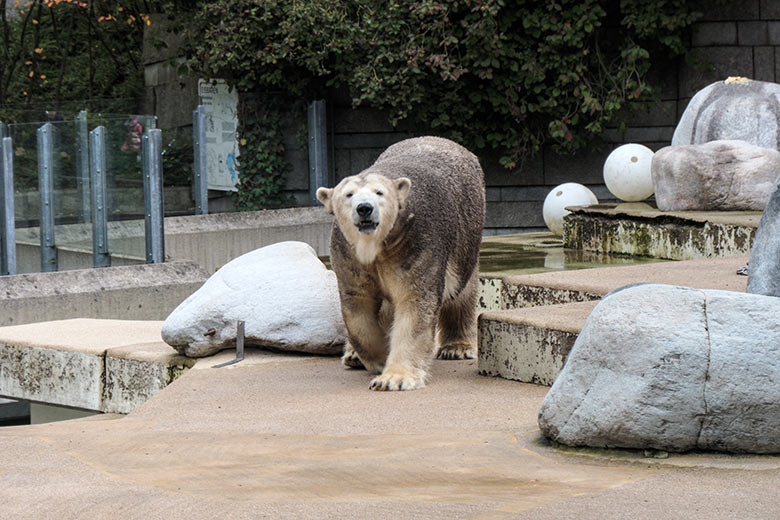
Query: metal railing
{"type": "Point", "coordinates": [81, 161]}
{"type": "Point", "coordinates": [91, 180]}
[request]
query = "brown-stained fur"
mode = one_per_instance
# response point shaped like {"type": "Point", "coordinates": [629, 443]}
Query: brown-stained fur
{"type": "Point", "coordinates": [418, 272]}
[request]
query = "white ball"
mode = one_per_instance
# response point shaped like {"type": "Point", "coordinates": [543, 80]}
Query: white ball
{"type": "Point", "coordinates": [627, 172]}
{"type": "Point", "coordinates": [567, 194]}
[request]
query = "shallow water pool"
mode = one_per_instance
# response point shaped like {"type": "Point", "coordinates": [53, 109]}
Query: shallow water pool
{"type": "Point", "coordinates": [530, 253]}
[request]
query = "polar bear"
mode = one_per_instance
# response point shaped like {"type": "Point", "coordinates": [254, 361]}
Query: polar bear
{"type": "Point", "coordinates": [405, 247]}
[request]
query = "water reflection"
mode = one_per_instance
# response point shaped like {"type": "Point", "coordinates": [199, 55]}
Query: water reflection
{"type": "Point", "coordinates": [538, 253]}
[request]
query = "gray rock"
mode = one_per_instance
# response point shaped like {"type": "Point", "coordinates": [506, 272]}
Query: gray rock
{"type": "Point", "coordinates": [718, 175]}
{"type": "Point", "coordinates": [738, 108]}
{"type": "Point", "coordinates": [764, 271]}
{"type": "Point", "coordinates": [674, 369]}
{"type": "Point", "coordinates": [285, 295]}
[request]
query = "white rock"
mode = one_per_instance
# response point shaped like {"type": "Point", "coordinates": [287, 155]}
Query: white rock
{"type": "Point", "coordinates": [717, 175]}
{"type": "Point", "coordinates": [738, 108]}
{"type": "Point", "coordinates": [285, 295]}
{"type": "Point", "coordinates": [674, 369]}
{"type": "Point", "coordinates": [562, 196]}
{"type": "Point", "coordinates": [627, 172]}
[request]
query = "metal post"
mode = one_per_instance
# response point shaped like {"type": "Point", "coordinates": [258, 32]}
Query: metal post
{"type": "Point", "coordinates": [318, 148]}
{"type": "Point", "coordinates": [46, 190]}
{"type": "Point", "coordinates": [97, 162]}
{"type": "Point", "coordinates": [8, 260]}
{"type": "Point", "coordinates": [82, 165]}
{"type": "Point", "coordinates": [153, 196]}
{"type": "Point", "coordinates": [199, 145]}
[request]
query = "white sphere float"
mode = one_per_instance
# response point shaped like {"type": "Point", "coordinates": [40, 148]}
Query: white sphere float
{"type": "Point", "coordinates": [627, 172]}
{"type": "Point", "coordinates": [567, 194]}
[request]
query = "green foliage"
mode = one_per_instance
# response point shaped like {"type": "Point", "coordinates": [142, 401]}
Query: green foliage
{"type": "Point", "coordinates": [52, 51]}
{"type": "Point", "coordinates": [177, 160]}
{"type": "Point", "coordinates": [261, 162]}
{"type": "Point", "coordinates": [509, 75]}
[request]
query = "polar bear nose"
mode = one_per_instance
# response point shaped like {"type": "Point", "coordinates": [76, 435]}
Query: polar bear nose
{"type": "Point", "coordinates": [363, 209]}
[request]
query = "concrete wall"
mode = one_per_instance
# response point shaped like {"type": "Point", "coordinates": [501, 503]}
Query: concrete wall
{"type": "Point", "coordinates": [207, 240]}
{"type": "Point", "coordinates": [141, 292]}
{"type": "Point", "coordinates": [213, 240]}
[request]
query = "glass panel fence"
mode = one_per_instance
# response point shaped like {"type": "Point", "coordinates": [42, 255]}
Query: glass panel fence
{"type": "Point", "coordinates": [60, 149]}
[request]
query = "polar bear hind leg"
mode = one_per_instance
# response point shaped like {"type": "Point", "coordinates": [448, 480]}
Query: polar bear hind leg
{"type": "Point", "coordinates": [458, 323]}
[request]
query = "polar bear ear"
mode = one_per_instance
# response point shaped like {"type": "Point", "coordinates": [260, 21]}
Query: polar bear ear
{"type": "Point", "coordinates": [402, 187]}
{"type": "Point", "coordinates": [325, 195]}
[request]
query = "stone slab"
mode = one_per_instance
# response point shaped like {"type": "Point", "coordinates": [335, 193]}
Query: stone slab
{"type": "Point", "coordinates": [529, 345]}
{"type": "Point", "coordinates": [134, 373]}
{"type": "Point", "coordinates": [213, 240]}
{"type": "Point", "coordinates": [641, 230]}
{"type": "Point", "coordinates": [518, 291]}
{"type": "Point", "coordinates": [54, 376]}
{"type": "Point", "coordinates": [98, 365]}
{"type": "Point", "coordinates": [714, 33]}
{"type": "Point", "coordinates": [139, 292]}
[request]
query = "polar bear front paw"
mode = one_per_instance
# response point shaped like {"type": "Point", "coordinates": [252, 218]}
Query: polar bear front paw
{"type": "Point", "coordinates": [457, 351]}
{"type": "Point", "coordinates": [403, 379]}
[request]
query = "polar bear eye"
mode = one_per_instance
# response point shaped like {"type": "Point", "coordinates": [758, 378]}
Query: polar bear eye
{"type": "Point", "coordinates": [380, 192]}
{"type": "Point", "coordinates": [349, 195]}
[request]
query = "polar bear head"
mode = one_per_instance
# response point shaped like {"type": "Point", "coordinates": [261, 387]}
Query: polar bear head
{"type": "Point", "coordinates": [366, 207]}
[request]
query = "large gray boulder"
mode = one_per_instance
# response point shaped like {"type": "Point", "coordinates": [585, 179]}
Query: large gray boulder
{"type": "Point", "coordinates": [715, 176]}
{"type": "Point", "coordinates": [764, 271]}
{"type": "Point", "coordinates": [285, 295]}
{"type": "Point", "coordinates": [737, 108]}
{"type": "Point", "coordinates": [674, 369]}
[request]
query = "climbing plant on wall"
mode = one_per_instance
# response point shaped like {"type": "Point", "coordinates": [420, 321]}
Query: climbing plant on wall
{"type": "Point", "coordinates": [499, 74]}
{"type": "Point", "coordinates": [262, 164]}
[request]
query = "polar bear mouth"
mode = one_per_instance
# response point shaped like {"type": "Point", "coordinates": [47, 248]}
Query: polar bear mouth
{"type": "Point", "coordinates": [366, 226]}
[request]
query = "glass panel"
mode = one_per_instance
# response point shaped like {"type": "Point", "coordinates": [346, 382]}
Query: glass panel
{"type": "Point", "coordinates": [125, 187]}
{"type": "Point", "coordinates": [71, 194]}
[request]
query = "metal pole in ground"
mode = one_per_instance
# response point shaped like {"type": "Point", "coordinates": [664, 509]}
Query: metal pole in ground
{"type": "Point", "coordinates": [318, 148]}
{"type": "Point", "coordinates": [82, 165]}
{"type": "Point", "coordinates": [97, 163]}
{"type": "Point", "coordinates": [46, 190]}
{"type": "Point", "coordinates": [199, 145]}
{"type": "Point", "coordinates": [153, 196]}
{"type": "Point", "coordinates": [8, 261]}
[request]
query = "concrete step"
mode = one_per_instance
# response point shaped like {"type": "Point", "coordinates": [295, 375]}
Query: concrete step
{"type": "Point", "coordinates": [529, 345]}
{"type": "Point", "coordinates": [518, 291]}
{"type": "Point", "coordinates": [640, 229]}
{"type": "Point", "coordinates": [109, 366]}
{"type": "Point", "coordinates": [530, 338]}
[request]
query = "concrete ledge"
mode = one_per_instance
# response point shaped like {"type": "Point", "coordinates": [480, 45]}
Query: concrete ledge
{"type": "Point", "coordinates": [210, 241]}
{"type": "Point", "coordinates": [638, 229]}
{"type": "Point", "coordinates": [135, 373]}
{"type": "Point", "coordinates": [529, 345]}
{"type": "Point", "coordinates": [109, 366]}
{"type": "Point", "coordinates": [213, 240]}
{"type": "Point", "coordinates": [140, 292]}
{"type": "Point", "coordinates": [518, 291]}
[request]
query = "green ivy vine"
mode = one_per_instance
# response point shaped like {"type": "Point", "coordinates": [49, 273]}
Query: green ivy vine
{"type": "Point", "coordinates": [508, 75]}
{"type": "Point", "coordinates": [261, 163]}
